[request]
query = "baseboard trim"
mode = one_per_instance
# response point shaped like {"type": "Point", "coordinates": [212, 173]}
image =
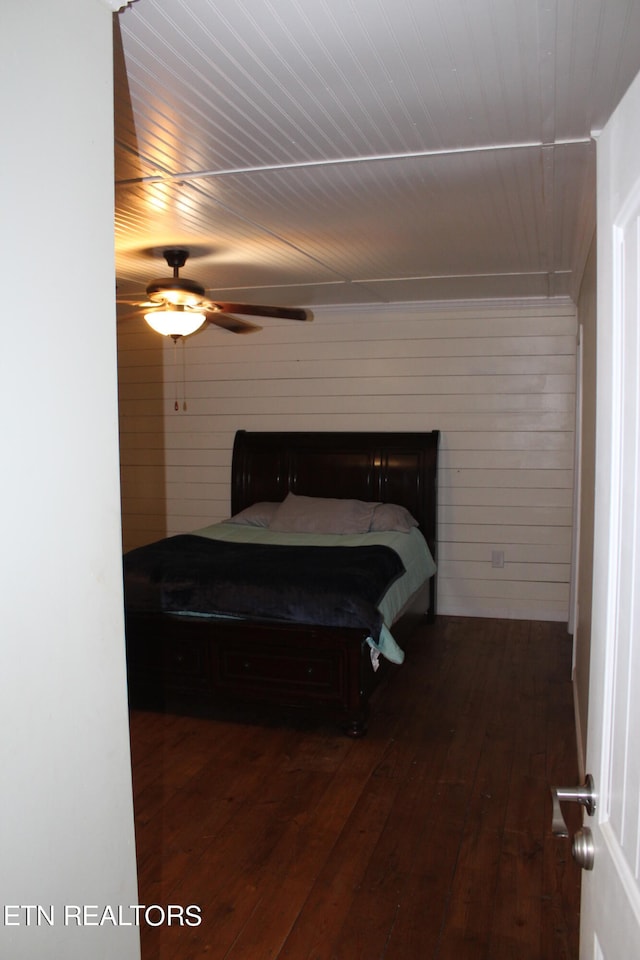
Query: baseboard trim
{"type": "Point", "coordinates": [501, 611]}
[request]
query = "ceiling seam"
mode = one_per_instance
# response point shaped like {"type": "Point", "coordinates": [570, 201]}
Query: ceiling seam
{"type": "Point", "coordinates": [343, 161]}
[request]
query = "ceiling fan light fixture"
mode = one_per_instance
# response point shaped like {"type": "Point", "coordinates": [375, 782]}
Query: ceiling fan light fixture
{"type": "Point", "coordinates": [175, 321]}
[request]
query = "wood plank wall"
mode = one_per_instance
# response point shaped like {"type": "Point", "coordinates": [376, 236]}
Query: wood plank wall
{"type": "Point", "coordinates": [497, 379]}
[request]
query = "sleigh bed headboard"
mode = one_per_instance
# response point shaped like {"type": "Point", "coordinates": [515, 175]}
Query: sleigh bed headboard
{"type": "Point", "coordinates": [390, 467]}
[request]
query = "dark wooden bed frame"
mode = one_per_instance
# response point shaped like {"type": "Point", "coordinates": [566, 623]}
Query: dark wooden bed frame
{"type": "Point", "coordinates": [199, 665]}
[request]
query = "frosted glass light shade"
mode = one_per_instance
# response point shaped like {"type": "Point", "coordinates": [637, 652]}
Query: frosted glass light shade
{"type": "Point", "coordinates": [175, 322]}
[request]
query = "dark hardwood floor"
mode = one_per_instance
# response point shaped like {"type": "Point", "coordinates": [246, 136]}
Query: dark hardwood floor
{"type": "Point", "coordinates": [428, 838]}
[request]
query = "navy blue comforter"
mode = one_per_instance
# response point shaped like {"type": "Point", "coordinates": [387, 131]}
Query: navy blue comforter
{"type": "Point", "coordinates": [331, 586]}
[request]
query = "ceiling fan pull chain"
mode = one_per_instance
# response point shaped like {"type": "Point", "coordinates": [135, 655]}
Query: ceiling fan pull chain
{"type": "Point", "coordinates": [176, 406]}
{"type": "Point", "coordinates": [184, 375]}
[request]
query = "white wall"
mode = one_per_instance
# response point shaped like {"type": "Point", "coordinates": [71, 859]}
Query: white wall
{"type": "Point", "coordinates": [66, 818]}
{"type": "Point", "coordinates": [497, 379]}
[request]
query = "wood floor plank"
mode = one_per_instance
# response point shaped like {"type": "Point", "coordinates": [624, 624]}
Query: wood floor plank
{"type": "Point", "coordinates": [426, 897]}
{"type": "Point", "coordinates": [305, 849]}
{"type": "Point", "coordinates": [330, 897]}
{"type": "Point", "coordinates": [429, 839]}
{"type": "Point", "coordinates": [299, 860]}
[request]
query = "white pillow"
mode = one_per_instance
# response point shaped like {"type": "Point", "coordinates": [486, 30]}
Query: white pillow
{"type": "Point", "coordinates": [257, 515]}
{"type": "Point", "coordinates": [298, 514]}
{"type": "Point", "coordinates": [391, 516]}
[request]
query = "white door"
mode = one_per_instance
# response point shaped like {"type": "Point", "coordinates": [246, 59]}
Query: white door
{"type": "Point", "coordinates": [610, 913]}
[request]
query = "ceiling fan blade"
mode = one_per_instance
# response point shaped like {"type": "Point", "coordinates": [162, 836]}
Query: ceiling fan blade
{"type": "Point", "coordinates": [133, 313]}
{"type": "Point", "coordinates": [231, 323]}
{"type": "Point", "coordinates": [255, 310]}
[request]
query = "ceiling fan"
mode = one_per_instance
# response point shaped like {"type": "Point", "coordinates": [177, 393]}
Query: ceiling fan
{"type": "Point", "coordinates": [177, 307]}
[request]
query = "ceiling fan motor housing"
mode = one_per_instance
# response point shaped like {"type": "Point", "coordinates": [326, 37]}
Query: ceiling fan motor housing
{"type": "Point", "coordinates": [177, 290]}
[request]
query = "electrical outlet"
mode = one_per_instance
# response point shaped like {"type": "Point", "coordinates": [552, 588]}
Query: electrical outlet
{"type": "Point", "coordinates": [497, 559]}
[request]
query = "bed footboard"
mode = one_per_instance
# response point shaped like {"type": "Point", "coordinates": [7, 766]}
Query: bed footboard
{"type": "Point", "coordinates": [189, 664]}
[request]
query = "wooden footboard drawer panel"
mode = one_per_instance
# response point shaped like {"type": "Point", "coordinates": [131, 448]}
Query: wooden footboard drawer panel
{"type": "Point", "coordinates": [186, 664]}
{"type": "Point", "coordinates": [282, 671]}
{"type": "Point", "coordinates": [157, 661]}
{"type": "Point", "coordinates": [321, 673]}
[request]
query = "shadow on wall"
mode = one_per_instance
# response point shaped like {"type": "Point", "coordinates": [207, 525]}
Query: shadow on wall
{"type": "Point", "coordinates": [141, 416]}
{"type": "Point", "coordinates": [140, 368]}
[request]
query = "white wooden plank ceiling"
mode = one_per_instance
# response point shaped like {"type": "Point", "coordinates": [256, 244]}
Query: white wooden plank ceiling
{"type": "Point", "coordinates": [364, 151]}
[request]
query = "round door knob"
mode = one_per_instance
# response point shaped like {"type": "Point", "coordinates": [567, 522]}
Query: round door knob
{"type": "Point", "coordinates": [582, 848]}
